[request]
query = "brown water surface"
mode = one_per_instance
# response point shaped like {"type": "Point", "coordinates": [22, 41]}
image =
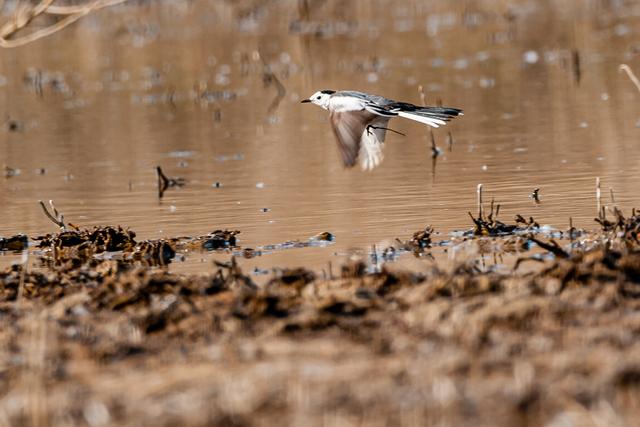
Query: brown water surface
{"type": "Point", "coordinates": [186, 85]}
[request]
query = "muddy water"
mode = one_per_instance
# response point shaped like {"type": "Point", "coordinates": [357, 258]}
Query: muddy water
{"type": "Point", "coordinates": [183, 85]}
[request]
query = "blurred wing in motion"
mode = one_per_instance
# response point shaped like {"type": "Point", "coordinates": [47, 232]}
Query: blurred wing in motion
{"type": "Point", "coordinates": [372, 143]}
{"type": "Point", "coordinates": [348, 128]}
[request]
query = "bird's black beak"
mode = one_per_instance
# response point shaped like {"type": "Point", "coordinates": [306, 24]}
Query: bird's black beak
{"type": "Point", "coordinates": [305, 100]}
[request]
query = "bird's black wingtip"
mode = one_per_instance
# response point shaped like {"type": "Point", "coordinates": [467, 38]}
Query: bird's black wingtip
{"type": "Point", "coordinates": [447, 111]}
{"type": "Point", "coordinates": [453, 111]}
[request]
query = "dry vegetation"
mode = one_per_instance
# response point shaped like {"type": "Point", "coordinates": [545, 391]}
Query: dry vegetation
{"type": "Point", "coordinates": [99, 340]}
{"type": "Point", "coordinates": [59, 16]}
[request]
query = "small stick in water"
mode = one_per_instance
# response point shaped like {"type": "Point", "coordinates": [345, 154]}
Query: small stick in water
{"type": "Point", "coordinates": [450, 141]}
{"type": "Point", "coordinates": [435, 150]}
{"type": "Point", "coordinates": [535, 196]}
{"type": "Point", "coordinates": [575, 56]}
{"type": "Point", "coordinates": [479, 194]}
{"type": "Point", "coordinates": [571, 229]}
{"type": "Point", "coordinates": [56, 217]}
{"type": "Point", "coordinates": [423, 97]}
{"type": "Point", "coordinates": [598, 195]}
{"type": "Point", "coordinates": [165, 182]}
{"type": "Point", "coordinates": [613, 199]}
{"type": "Point", "coordinates": [552, 247]}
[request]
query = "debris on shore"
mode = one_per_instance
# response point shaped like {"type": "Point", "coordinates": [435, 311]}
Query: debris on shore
{"type": "Point", "coordinates": [477, 328]}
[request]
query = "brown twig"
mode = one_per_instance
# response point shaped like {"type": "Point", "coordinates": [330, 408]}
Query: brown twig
{"type": "Point", "coordinates": [164, 182]}
{"type": "Point", "coordinates": [56, 217]}
{"type": "Point", "coordinates": [552, 247]}
{"type": "Point", "coordinates": [535, 195]}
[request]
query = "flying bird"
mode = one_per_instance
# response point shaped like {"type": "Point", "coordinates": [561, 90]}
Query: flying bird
{"type": "Point", "coordinates": [359, 122]}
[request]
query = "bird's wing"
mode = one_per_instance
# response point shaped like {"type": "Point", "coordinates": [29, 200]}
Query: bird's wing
{"type": "Point", "coordinates": [348, 128]}
{"type": "Point", "coordinates": [349, 100]}
{"type": "Point", "coordinates": [380, 110]}
{"type": "Point", "coordinates": [372, 143]}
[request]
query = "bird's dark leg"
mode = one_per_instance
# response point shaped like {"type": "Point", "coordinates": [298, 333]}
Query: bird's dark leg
{"type": "Point", "coordinates": [369, 127]}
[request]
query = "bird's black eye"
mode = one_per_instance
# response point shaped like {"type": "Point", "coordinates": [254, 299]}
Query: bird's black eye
{"type": "Point", "coordinates": [318, 97]}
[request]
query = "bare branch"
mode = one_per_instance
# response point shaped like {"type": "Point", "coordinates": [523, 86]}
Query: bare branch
{"type": "Point", "coordinates": [26, 14]}
{"type": "Point", "coordinates": [56, 218]}
{"type": "Point", "coordinates": [631, 75]}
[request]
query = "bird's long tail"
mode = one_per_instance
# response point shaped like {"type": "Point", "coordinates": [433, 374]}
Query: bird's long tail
{"type": "Point", "coordinates": [432, 116]}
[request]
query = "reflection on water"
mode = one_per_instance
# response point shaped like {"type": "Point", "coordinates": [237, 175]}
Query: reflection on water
{"type": "Point", "coordinates": [209, 91]}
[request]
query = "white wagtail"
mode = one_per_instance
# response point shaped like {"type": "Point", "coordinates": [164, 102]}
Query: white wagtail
{"type": "Point", "coordinates": [359, 122]}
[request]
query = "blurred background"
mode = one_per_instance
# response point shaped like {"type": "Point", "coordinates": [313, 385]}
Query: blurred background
{"type": "Point", "coordinates": [210, 91]}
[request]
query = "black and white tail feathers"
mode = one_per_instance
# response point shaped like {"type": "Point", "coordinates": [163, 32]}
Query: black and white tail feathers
{"type": "Point", "coordinates": [432, 116]}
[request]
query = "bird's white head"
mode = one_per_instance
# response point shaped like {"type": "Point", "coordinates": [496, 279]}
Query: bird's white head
{"type": "Point", "coordinates": [321, 98]}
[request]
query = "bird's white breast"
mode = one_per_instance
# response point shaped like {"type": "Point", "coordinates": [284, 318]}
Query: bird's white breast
{"type": "Point", "coordinates": [341, 104]}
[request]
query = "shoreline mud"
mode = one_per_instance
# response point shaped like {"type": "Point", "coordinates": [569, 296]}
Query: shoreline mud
{"type": "Point", "coordinates": [121, 340]}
